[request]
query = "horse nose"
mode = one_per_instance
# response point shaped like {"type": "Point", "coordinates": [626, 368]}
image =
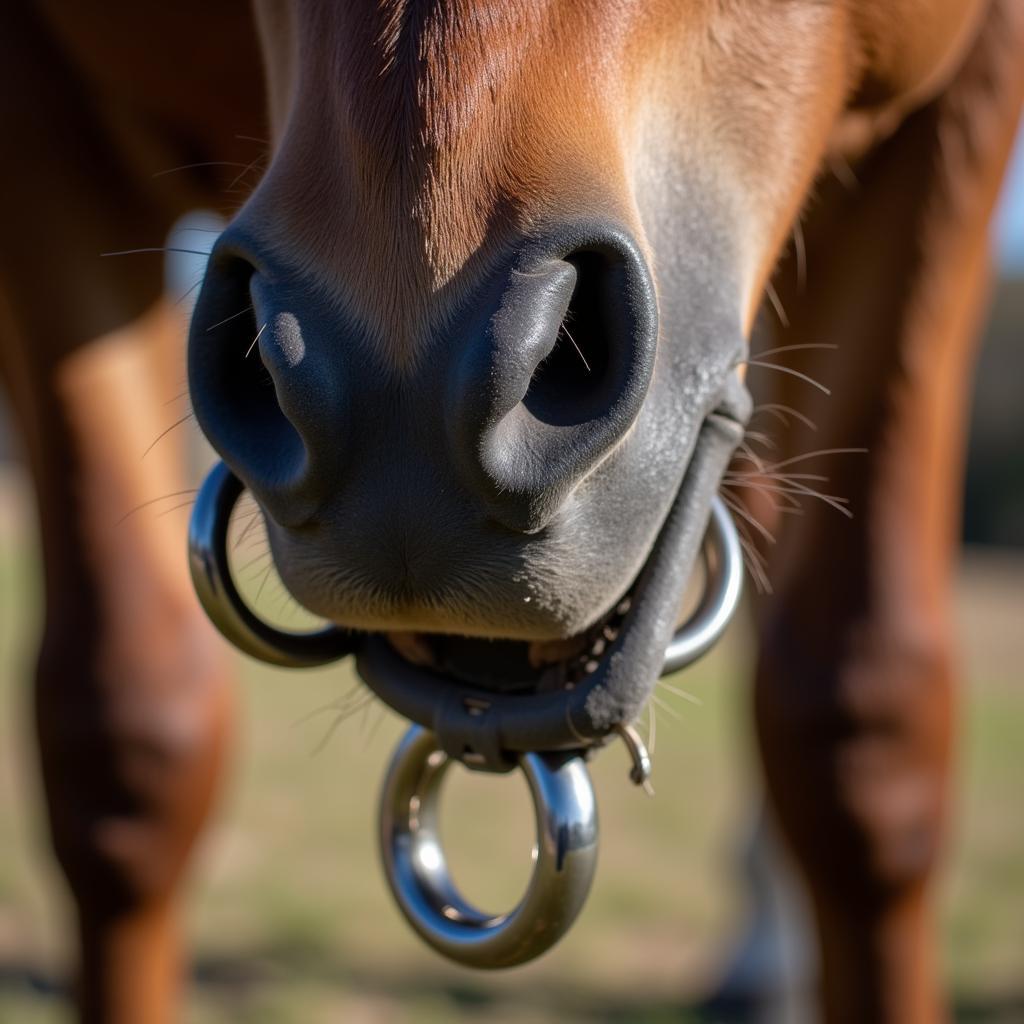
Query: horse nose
{"type": "Point", "coordinates": [561, 377]}
{"type": "Point", "coordinates": [265, 395]}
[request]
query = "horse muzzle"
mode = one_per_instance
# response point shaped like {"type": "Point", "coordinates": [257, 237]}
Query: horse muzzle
{"type": "Point", "coordinates": [548, 735]}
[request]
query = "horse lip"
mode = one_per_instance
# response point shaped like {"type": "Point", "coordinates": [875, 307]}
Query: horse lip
{"type": "Point", "coordinates": [617, 690]}
{"type": "Point", "coordinates": [507, 665]}
{"type": "Point", "coordinates": [510, 665]}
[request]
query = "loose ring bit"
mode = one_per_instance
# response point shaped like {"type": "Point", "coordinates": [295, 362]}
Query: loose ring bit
{"type": "Point", "coordinates": [417, 872]}
{"type": "Point", "coordinates": [217, 593]}
{"type": "Point", "coordinates": [723, 585]}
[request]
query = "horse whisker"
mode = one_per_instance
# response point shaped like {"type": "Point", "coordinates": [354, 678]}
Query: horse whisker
{"type": "Point", "coordinates": [342, 717]}
{"type": "Point", "coordinates": [204, 163]}
{"type": "Point", "coordinates": [153, 501]}
{"type": "Point", "coordinates": [800, 248]}
{"type": "Point", "coordinates": [256, 558]}
{"type": "Point", "coordinates": [221, 323]}
{"type": "Point", "coordinates": [780, 502]}
{"type": "Point", "coordinates": [164, 433]}
{"type": "Point", "coordinates": [375, 728]}
{"type": "Point", "coordinates": [254, 340]}
{"type": "Point", "coordinates": [788, 370]}
{"type": "Point", "coordinates": [670, 711]}
{"type": "Point", "coordinates": [184, 295]}
{"type": "Point", "coordinates": [156, 248]}
{"type": "Point", "coordinates": [251, 165]}
{"type": "Point", "coordinates": [739, 510]}
{"type": "Point", "coordinates": [795, 487]}
{"type": "Point", "coordinates": [253, 519]}
{"type": "Point", "coordinates": [755, 561]}
{"type": "Point", "coordinates": [793, 348]}
{"type": "Point", "coordinates": [263, 582]}
{"type": "Point", "coordinates": [812, 455]}
{"type": "Point", "coordinates": [776, 476]}
{"type": "Point", "coordinates": [773, 298]}
{"type": "Point", "coordinates": [692, 698]}
{"type": "Point", "coordinates": [175, 508]}
{"type": "Point", "coordinates": [780, 410]}
{"type": "Point", "coordinates": [744, 449]}
{"type": "Point", "coordinates": [832, 500]}
{"type": "Point", "coordinates": [759, 437]}
{"type": "Point", "coordinates": [579, 351]}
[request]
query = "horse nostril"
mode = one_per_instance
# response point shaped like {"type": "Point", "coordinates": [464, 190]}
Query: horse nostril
{"type": "Point", "coordinates": [561, 377]}
{"type": "Point", "coordinates": [570, 384]}
{"type": "Point", "coordinates": [233, 389]}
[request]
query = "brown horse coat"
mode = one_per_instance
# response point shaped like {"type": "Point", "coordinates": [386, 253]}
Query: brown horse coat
{"type": "Point", "coordinates": [915, 103]}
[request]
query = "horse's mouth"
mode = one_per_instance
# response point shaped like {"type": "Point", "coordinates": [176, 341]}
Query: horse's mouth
{"type": "Point", "coordinates": [509, 666]}
{"type": "Point", "coordinates": [554, 695]}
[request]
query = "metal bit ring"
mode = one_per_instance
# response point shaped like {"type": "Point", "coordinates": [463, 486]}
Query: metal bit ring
{"type": "Point", "coordinates": [564, 860]}
{"type": "Point", "coordinates": [217, 593]}
{"type": "Point", "coordinates": [723, 587]}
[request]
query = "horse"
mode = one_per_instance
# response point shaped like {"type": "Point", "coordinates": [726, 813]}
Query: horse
{"type": "Point", "coordinates": [474, 340]}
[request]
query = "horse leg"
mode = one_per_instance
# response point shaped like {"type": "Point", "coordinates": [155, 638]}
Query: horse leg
{"type": "Point", "coordinates": [132, 696]}
{"type": "Point", "coordinates": [855, 696]}
{"type": "Point", "coordinates": [132, 706]}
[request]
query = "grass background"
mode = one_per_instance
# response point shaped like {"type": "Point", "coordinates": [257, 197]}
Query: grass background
{"type": "Point", "coordinates": [289, 917]}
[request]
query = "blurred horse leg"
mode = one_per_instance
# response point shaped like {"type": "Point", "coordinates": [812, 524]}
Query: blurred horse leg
{"type": "Point", "coordinates": [132, 694]}
{"type": "Point", "coordinates": [132, 698]}
{"type": "Point", "coordinates": [855, 694]}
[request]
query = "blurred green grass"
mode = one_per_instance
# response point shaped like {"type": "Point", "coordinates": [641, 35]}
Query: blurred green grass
{"type": "Point", "coordinates": [290, 919]}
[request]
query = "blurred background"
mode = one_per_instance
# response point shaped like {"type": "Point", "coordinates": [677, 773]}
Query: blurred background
{"type": "Point", "coordinates": [290, 918]}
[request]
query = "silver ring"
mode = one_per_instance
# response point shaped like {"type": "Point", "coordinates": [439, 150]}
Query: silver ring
{"type": "Point", "coordinates": [414, 862]}
{"type": "Point", "coordinates": [217, 593]}
{"type": "Point", "coordinates": [723, 586]}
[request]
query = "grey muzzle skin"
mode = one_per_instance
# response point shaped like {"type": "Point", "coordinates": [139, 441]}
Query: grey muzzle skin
{"type": "Point", "coordinates": [548, 735]}
{"type": "Point", "coordinates": [483, 728]}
